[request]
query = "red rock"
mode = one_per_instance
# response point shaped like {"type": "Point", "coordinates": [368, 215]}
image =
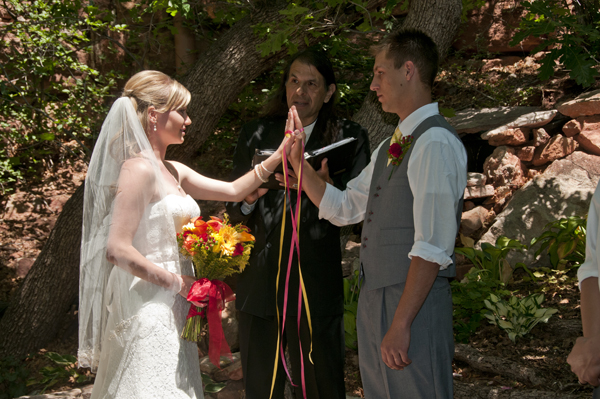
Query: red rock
{"type": "Point", "coordinates": [515, 137]}
{"type": "Point", "coordinates": [558, 147]}
{"type": "Point", "coordinates": [526, 153]}
{"type": "Point", "coordinates": [468, 205]}
{"type": "Point", "coordinates": [475, 179]}
{"type": "Point", "coordinates": [504, 168]}
{"type": "Point", "coordinates": [473, 220]}
{"type": "Point", "coordinates": [584, 105]}
{"type": "Point", "coordinates": [479, 191]}
{"type": "Point", "coordinates": [492, 26]}
{"type": "Point", "coordinates": [571, 128]}
{"type": "Point", "coordinates": [540, 137]}
{"type": "Point", "coordinates": [589, 141]}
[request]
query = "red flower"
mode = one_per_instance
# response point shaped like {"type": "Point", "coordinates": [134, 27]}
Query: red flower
{"type": "Point", "coordinates": [239, 249]}
{"type": "Point", "coordinates": [395, 150]}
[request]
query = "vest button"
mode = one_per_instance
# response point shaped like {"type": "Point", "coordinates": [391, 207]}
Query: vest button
{"type": "Point", "coordinates": [378, 187]}
{"type": "Point", "coordinates": [366, 238]}
{"type": "Point", "coordinates": [370, 212]}
{"type": "Point", "coordinates": [369, 221]}
{"type": "Point", "coordinates": [364, 245]}
{"type": "Point", "coordinates": [376, 195]}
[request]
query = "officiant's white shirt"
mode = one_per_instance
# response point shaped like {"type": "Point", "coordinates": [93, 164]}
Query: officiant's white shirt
{"type": "Point", "coordinates": [437, 175]}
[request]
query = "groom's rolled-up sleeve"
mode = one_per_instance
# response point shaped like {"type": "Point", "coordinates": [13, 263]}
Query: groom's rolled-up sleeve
{"type": "Point", "coordinates": [437, 174]}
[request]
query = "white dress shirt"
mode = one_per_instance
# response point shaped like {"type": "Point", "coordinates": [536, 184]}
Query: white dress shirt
{"type": "Point", "coordinates": [437, 175]}
{"type": "Point", "coordinates": [247, 208]}
{"type": "Point", "coordinates": [591, 266]}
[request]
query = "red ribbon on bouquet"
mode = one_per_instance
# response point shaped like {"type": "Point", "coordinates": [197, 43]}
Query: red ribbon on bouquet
{"type": "Point", "coordinates": [211, 296]}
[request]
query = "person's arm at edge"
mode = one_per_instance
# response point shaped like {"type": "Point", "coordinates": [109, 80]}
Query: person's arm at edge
{"type": "Point", "coordinates": [585, 357]}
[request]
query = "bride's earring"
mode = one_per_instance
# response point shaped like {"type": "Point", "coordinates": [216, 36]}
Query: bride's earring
{"type": "Point", "coordinates": [155, 126]}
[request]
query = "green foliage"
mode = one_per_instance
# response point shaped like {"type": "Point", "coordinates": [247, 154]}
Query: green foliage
{"type": "Point", "coordinates": [319, 18]}
{"type": "Point", "coordinates": [570, 30]}
{"type": "Point", "coordinates": [13, 378]}
{"type": "Point", "coordinates": [65, 369]}
{"type": "Point", "coordinates": [563, 241]}
{"type": "Point", "coordinates": [468, 299]}
{"type": "Point", "coordinates": [517, 316]}
{"type": "Point", "coordinates": [493, 257]}
{"type": "Point", "coordinates": [210, 386]}
{"type": "Point", "coordinates": [351, 292]}
{"type": "Point", "coordinates": [49, 95]}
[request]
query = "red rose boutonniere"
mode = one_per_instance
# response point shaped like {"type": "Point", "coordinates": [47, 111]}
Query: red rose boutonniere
{"type": "Point", "coordinates": [397, 150]}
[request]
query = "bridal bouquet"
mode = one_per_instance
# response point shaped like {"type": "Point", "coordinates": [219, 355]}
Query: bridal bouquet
{"type": "Point", "coordinates": [217, 250]}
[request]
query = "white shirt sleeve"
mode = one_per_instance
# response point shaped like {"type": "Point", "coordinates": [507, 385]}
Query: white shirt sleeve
{"type": "Point", "coordinates": [591, 266]}
{"type": "Point", "coordinates": [349, 206]}
{"type": "Point", "coordinates": [437, 174]}
{"type": "Point", "coordinates": [247, 208]}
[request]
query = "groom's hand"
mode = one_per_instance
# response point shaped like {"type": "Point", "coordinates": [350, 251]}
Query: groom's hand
{"type": "Point", "coordinates": [394, 347]}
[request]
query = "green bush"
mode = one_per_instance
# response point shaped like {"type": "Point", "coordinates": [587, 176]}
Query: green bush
{"type": "Point", "coordinates": [571, 30]}
{"type": "Point", "coordinates": [468, 301]}
{"type": "Point", "coordinates": [351, 292]}
{"type": "Point", "coordinates": [517, 316]}
{"type": "Point", "coordinates": [563, 241]}
{"type": "Point", "coordinates": [13, 378]}
{"type": "Point", "coordinates": [49, 94]}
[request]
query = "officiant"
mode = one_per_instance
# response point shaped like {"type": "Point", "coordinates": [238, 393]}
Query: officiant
{"type": "Point", "coordinates": [309, 84]}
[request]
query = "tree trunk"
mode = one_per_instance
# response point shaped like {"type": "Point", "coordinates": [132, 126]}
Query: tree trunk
{"type": "Point", "coordinates": [216, 80]}
{"type": "Point", "coordinates": [50, 288]}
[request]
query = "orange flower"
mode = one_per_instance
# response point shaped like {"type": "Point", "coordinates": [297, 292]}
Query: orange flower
{"type": "Point", "coordinates": [188, 244]}
{"type": "Point", "coordinates": [215, 223]}
{"type": "Point", "coordinates": [244, 237]}
{"type": "Point", "coordinates": [200, 226]}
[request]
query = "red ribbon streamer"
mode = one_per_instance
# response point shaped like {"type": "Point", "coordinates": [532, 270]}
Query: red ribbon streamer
{"type": "Point", "coordinates": [211, 296]}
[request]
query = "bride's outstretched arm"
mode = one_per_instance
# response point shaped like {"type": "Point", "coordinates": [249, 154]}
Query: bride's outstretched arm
{"type": "Point", "coordinates": [135, 191]}
{"type": "Point", "coordinates": [202, 187]}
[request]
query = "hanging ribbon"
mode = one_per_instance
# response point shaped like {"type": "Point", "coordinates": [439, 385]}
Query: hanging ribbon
{"type": "Point", "coordinates": [301, 288]}
{"type": "Point", "coordinates": [208, 298]}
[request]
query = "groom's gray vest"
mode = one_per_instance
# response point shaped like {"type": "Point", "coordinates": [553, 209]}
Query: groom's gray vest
{"type": "Point", "coordinates": [388, 230]}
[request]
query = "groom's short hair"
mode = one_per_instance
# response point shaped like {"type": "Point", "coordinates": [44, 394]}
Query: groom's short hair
{"type": "Point", "coordinates": [411, 45]}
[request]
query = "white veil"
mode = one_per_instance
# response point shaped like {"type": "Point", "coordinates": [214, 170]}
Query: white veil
{"type": "Point", "coordinates": [104, 289]}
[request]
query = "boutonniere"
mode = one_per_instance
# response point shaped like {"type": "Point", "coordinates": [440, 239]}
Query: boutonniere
{"type": "Point", "coordinates": [398, 148]}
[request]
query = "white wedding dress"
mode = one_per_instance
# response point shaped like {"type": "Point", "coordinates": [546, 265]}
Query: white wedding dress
{"type": "Point", "coordinates": [142, 355]}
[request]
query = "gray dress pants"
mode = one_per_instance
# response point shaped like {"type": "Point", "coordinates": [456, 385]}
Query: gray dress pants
{"type": "Point", "coordinates": [431, 350]}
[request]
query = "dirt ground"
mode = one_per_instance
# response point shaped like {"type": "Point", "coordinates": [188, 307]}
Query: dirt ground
{"type": "Point", "coordinates": [29, 214]}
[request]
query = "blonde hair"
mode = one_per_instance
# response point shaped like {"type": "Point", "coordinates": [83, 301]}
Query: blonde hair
{"type": "Point", "coordinates": [154, 88]}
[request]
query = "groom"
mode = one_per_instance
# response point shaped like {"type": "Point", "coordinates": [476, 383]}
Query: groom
{"type": "Point", "coordinates": [411, 204]}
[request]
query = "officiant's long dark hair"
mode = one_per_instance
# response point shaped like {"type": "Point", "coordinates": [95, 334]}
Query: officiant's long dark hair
{"type": "Point", "coordinates": [327, 121]}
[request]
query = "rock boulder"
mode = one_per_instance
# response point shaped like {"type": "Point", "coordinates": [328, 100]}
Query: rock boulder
{"type": "Point", "coordinates": [564, 189]}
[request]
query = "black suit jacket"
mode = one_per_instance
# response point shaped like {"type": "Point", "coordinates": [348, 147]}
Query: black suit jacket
{"type": "Point", "coordinates": [319, 240]}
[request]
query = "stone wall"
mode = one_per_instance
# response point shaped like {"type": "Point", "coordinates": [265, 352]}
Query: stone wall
{"type": "Point", "coordinates": [544, 165]}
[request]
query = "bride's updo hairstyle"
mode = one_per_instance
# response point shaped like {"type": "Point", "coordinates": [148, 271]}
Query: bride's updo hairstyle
{"type": "Point", "coordinates": [154, 88]}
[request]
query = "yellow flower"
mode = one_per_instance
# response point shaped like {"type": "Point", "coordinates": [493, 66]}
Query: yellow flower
{"type": "Point", "coordinates": [228, 239]}
{"type": "Point", "coordinates": [188, 227]}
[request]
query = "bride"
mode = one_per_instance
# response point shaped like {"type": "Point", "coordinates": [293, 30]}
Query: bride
{"type": "Point", "coordinates": [135, 201]}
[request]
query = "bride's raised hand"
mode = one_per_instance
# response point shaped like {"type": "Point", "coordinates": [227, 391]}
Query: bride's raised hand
{"type": "Point", "coordinates": [295, 154]}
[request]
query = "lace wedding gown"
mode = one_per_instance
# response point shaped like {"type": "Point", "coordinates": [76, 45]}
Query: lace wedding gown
{"type": "Point", "coordinates": [142, 355]}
